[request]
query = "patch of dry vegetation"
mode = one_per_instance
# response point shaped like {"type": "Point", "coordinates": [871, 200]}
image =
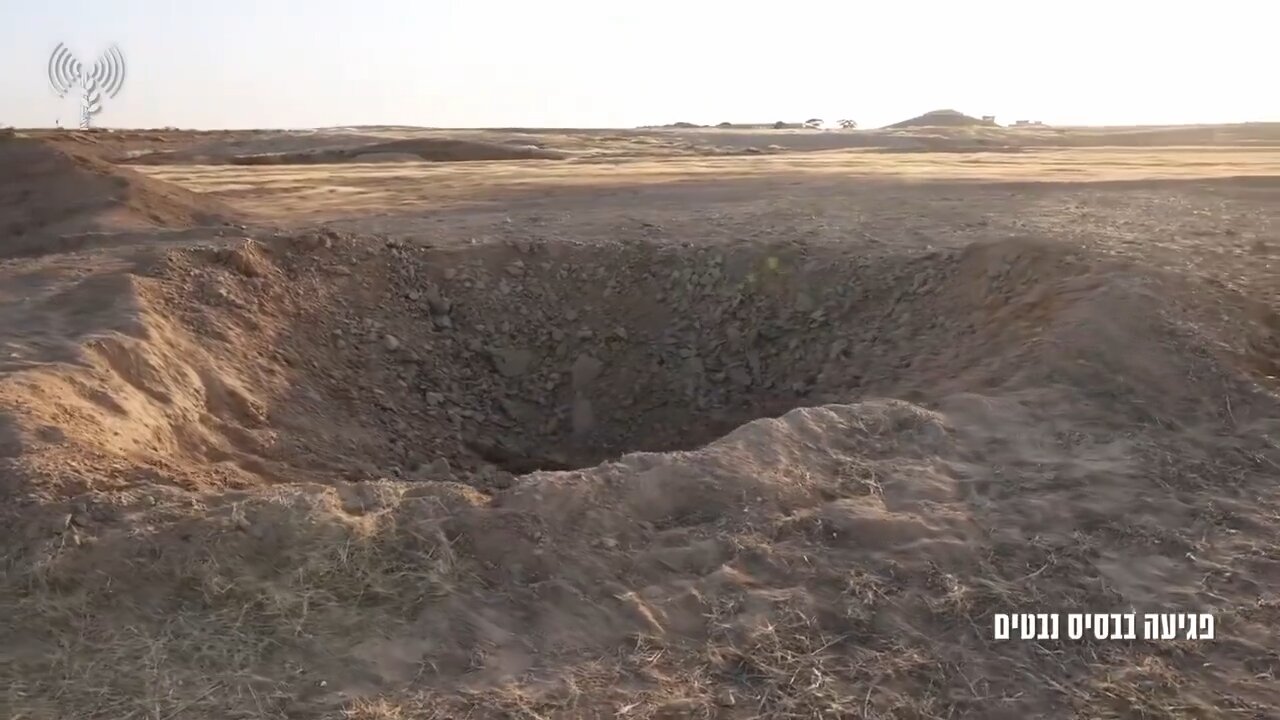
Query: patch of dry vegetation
{"type": "Point", "coordinates": [283, 192]}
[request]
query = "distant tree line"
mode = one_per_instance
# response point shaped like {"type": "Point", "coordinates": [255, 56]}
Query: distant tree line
{"type": "Point", "coordinates": [811, 123]}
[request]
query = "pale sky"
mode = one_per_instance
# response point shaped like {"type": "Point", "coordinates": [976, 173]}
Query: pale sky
{"type": "Point", "coordinates": [603, 63]}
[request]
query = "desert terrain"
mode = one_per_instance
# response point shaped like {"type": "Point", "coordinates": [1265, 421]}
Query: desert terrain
{"type": "Point", "coordinates": [386, 423]}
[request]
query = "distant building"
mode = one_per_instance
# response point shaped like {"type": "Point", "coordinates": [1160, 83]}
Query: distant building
{"type": "Point", "coordinates": [989, 119]}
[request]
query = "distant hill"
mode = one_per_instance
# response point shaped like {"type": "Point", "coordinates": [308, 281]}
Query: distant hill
{"type": "Point", "coordinates": [942, 118]}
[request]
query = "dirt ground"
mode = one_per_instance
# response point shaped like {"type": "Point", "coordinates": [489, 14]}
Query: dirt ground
{"type": "Point", "coordinates": [636, 424]}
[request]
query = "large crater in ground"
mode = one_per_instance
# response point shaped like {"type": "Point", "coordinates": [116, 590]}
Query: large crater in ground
{"type": "Point", "coordinates": [297, 358]}
{"type": "Point", "coordinates": [385, 358]}
{"type": "Point", "coordinates": [304, 462]}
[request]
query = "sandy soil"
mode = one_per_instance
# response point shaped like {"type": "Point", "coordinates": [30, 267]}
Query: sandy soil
{"type": "Point", "coordinates": [311, 192]}
{"type": "Point", "coordinates": [680, 435]}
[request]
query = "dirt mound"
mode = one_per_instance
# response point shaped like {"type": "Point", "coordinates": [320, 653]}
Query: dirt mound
{"type": "Point", "coordinates": [942, 118]}
{"type": "Point", "coordinates": [48, 190]}
{"type": "Point", "coordinates": [428, 149]}
{"type": "Point", "coordinates": [285, 477]}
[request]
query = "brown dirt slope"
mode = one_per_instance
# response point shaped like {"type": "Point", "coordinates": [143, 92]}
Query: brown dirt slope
{"type": "Point", "coordinates": [46, 189]}
{"type": "Point", "coordinates": [274, 478]}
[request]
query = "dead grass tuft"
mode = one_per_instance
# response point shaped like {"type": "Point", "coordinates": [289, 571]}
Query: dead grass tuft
{"type": "Point", "coordinates": [235, 594]}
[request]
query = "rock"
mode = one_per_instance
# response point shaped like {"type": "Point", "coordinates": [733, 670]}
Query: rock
{"type": "Point", "coordinates": [521, 412]}
{"type": "Point", "coordinates": [511, 362]}
{"type": "Point", "coordinates": [391, 343]}
{"type": "Point", "coordinates": [244, 259]}
{"type": "Point", "coordinates": [681, 707]}
{"type": "Point", "coordinates": [61, 523]}
{"type": "Point", "coordinates": [436, 301]}
{"type": "Point", "coordinates": [438, 468]}
{"type": "Point", "coordinates": [492, 477]}
{"type": "Point", "coordinates": [314, 241]}
{"type": "Point", "coordinates": [586, 369]}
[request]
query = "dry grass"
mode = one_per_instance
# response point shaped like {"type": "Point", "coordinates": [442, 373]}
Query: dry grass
{"type": "Point", "coordinates": [214, 614]}
{"type": "Point", "coordinates": [283, 192]}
